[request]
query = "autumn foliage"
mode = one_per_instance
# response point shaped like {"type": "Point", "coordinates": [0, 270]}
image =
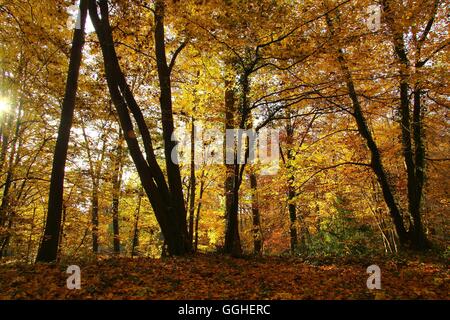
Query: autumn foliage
{"type": "Point", "coordinates": [225, 278]}
{"type": "Point", "coordinates": [88, 113]}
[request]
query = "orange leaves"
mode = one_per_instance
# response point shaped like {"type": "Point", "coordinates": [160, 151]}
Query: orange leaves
{"type": "Point", "coordinates": [222, 277]}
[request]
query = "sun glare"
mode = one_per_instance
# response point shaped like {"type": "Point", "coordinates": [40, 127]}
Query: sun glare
{"type": "Point", "coordinates": [4, 105]}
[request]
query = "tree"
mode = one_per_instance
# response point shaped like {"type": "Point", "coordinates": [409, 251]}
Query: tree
{"type": "Point", "coordinates": [362, 116]}
{"type": "Point", "coordinates": [117, 183]}
{"type": "Point", "coordinates": [412, 133]}
{"type": "Point", "coordinates": [192, 183]}
{"type": "Point", "coordinates": [49, 246]}
{"type": "Point", "coordinates": [166, 197]}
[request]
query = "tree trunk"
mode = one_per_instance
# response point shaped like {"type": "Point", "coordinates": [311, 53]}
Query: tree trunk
{"type": "Point", "coordinates": [61, 235]}
{"type": "Point", "coordinates": [49, 246]}
{"type": "Point", "coordinates": [414, 159]}
{"type": "Point", "coordinates": [166, 198]}
{"type": "Point", "coordinates": [292, 219]}
{"type": "Point", "coordinates": [5, 139]}
{"type": "Point", "coordinates": [117, 182]}
{"type": "Point", "coordinates": [418, 238]}
{"type": "Point", "coordinates": [94, 217]}
{"type": "Point", "coordinates": [376, 163]}
{"type": "Point", "coordinates": [7, 212]}
{"type": "Point", "coordinates": [230, 110]}
{"type": "Point", "coordinates": [257, 237]}
{"type": "Point", "coordinates": [232, 239]}
{"type": "Point", "coordinates": [95, 170]}
{"type": "Point", "coordinates": [192, 184]}
{"type": "Point", "coordinates": [173, 170]}
{"type": "Point", "coordinates": [30, 237]}
{"type": "Point", "coordinates": [197, 217]}
{"type": "Point", "coordinates": [135, 242]}
{"type": "Point", "coordinates": [291, 189]}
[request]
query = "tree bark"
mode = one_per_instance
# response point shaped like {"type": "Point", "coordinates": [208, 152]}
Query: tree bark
{"type": "Point", "coordinates": [94, 217]}
{"type": "Point", "coordinates": [30, 237]}
{"type": "Point", "coordinates": [61, 234]}
{"type": "Point", "coordinates": [414, 157]}
{"type": "Point", "coordinates": [6, 128]}
{"type": "Point", "coordinates": [173, 170]}
{"type": "Point", "coordinates": [49, 246]}
{"type": "Point", "coordinates": [192, 184]}
{"type": "Point", "coordinates": [256, 219]}
{"type": "Point", "coordinates": [135, 242]}
{"type": "Point", "coordinates": [95, 169]}
{"type": "Point", "coordinates": [291, 189]}
{"type": "Point", "coordinates": [376, 163]}
{"type": "Point", "coordinates": [117, 182]}
{"type": "Point", "coordinates": [7, 212]}
{"type": "Point", "coordinates": [232, 239]}
{"type": "Point", "coordinates": [199, 207]}
{"type": "Point", "coordinates": [166, 199]}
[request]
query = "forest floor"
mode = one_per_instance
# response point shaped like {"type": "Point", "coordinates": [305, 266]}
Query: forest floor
{"type": "Point", "coordinates": [223, 277]}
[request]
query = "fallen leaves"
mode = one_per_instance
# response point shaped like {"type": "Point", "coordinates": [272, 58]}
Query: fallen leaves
{"type": "Point", "coordinates": [223, 277]}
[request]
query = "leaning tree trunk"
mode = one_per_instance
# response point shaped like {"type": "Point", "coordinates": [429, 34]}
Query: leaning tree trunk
{"type": "Point", "coordinates": [376, 163]}
{"type": "Point", "coordinates": [48, 249]}
{"type": "Point", "coordinates": [172, 167]}
{"type": "Point", "coordinates": [166, 198]}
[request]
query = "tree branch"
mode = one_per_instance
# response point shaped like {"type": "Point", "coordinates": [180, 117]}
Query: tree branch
{"type": "Point", "coordinates": [175, 55]}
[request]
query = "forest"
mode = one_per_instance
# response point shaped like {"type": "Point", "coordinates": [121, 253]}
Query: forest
{"type": "Point", "coordinates": [224, 149]}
